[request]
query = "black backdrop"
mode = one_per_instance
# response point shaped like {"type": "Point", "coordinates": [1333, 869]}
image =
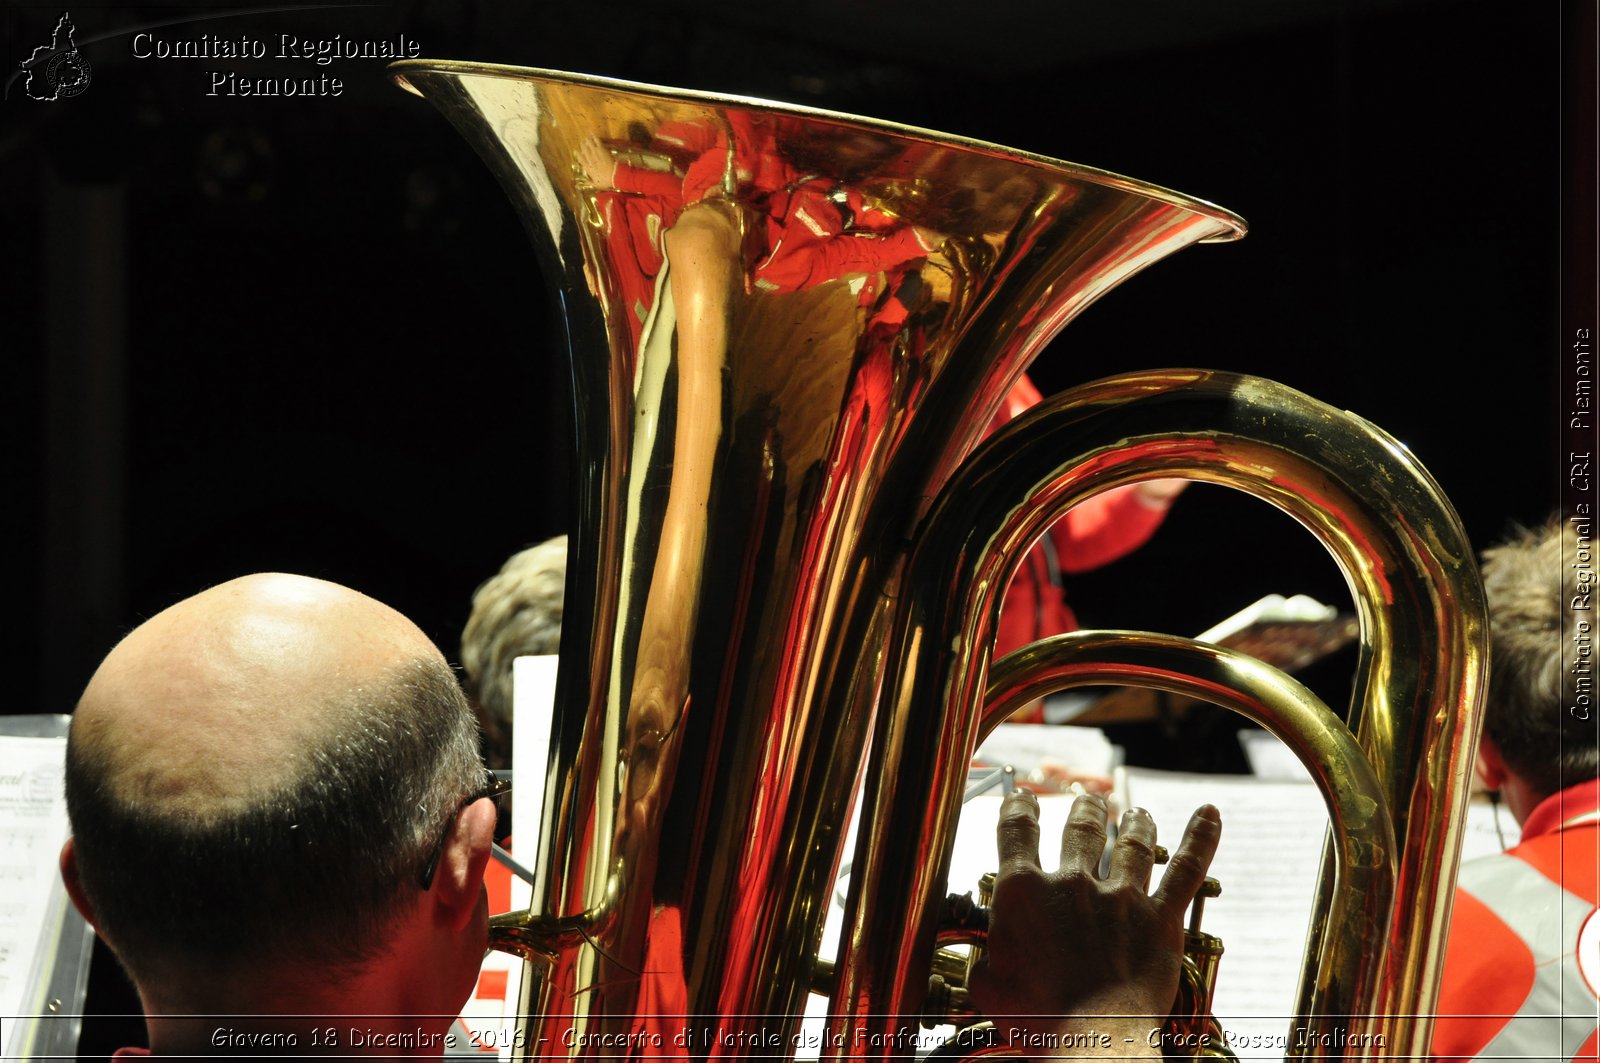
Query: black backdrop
{"type": "Point", "coordinates": [308, 334]}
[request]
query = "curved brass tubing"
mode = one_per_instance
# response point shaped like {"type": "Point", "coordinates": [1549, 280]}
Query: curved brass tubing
{"type": "Point", "coordinates": [1365, 860]}
{"type": "Point", "coordinates": [1414, 708]}
{"type": "Point", "coordinates": [537, 938]}
{"type": "Point", "coordinates": [1365, 856]}
{"type": "Point", "coordinates": [779, 559]}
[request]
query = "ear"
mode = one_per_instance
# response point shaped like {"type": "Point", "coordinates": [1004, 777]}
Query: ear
{"type": "Point", "coordinates": [1491, 767]}
{"type": "Point", "coordinates": [69, 876]}
{"type": "Point", "coordinates": [458, 884]}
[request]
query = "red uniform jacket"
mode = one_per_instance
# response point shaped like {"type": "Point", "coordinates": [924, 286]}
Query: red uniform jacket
{"type": "Point", "coordinates": [1523, 963]}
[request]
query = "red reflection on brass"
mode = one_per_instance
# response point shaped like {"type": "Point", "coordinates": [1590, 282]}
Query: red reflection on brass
{"type": "Point", "coordinates": [786, 329]}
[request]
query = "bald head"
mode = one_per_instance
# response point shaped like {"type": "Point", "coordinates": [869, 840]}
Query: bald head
{"type": "Point", "coordinates": [257, 772]}
{"type": "Point", "coordinates": [224, 694]}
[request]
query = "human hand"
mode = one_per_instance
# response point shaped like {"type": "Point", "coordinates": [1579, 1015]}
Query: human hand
{"type": "Point", "coordinates": [1071, 954]}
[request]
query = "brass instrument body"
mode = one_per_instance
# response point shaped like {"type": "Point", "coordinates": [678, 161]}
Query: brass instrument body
{"type": "Point", "coordinates": [1371, 968]}
{"type": "Point", "coordinates": [776, 368]}
{"type": "Point", "coordinates": [752, 452]}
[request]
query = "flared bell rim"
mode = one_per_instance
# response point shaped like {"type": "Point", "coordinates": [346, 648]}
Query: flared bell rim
{"type": "Point", "coordinates": [1231, 225]}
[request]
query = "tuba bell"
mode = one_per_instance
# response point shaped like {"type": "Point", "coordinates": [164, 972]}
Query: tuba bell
{"type": "Point", "coordinates": [787, 329]}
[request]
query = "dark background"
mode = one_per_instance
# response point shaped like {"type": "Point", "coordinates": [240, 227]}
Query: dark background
{"type": "Point", "coordinates": [309, 334]}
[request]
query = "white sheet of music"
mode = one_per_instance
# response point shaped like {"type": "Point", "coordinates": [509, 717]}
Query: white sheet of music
{"type": "Point", "coordinates": [33, 825]}
{"type": "Point", "coordinates": [973, 856]}
{"type": "Point", "coordinates": [1488, 830]}
{"type": "Point", "coordinates": [1025, 746]}
{"type": "Point", "coordinates": [533, 705]}
{"type": "Point", "coordinates": [490, 1014]}
{"type": "Point", "coordinates": [1272, 834]}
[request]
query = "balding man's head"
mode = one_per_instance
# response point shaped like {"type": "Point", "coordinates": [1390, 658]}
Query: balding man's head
{"type": "Point", "coordinates": [258, 773]}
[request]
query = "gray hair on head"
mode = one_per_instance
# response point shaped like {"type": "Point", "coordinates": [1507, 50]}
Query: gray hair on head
{"type": "Point", "coordinates": [515, 613]}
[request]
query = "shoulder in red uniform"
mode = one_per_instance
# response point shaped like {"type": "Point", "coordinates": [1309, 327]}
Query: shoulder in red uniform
{"type": "Point", "coordinates": [1523, 956]}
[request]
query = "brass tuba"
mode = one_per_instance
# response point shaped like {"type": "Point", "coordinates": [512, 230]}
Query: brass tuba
{"type": "Point", "coordinates": [787, 329]}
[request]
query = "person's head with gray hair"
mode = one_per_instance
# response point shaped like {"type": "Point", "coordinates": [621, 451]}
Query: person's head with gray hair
{"type": "Point", "coordinates": [274, 795]}
{"type": "Point", "coordinates": [515, 613]}
{"type": "Point", "coordinates": [1539, 731]}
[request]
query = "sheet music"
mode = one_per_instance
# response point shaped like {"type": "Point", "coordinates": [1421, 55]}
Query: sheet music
{"type": "Point", "coordinates": [1488, 830]}
{"type": "Point", "coordinates": [1269, 758]}
{"type": "Point", "coordinates": [1274, 607]}
{"type": "Point", "coordinates": [490, 1014]}
{"type": "Point", "coordinates": [1025, 746]}
{"type": "Point", "coordinates": [973, 856]}
{"type": "Point", "coordinates": [1268, 865]}
{"type": "Point", "coordinates": [1272, 833]}
{"type": "Point", "coordinates": [533, 705]}
{"type": "Point", "coordinates": [33, 826]}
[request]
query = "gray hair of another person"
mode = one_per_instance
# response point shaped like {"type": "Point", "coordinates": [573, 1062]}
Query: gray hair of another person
{"type": "Point", "coordinates": [515, 613]}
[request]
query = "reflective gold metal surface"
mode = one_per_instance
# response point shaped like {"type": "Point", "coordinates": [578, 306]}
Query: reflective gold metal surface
{"type": "Point", "coordinates": [1364, 863]}
{"type": "Point", "coordinates": [787, 328]}
{"type": "Point", "coordinates": [1414, 707]}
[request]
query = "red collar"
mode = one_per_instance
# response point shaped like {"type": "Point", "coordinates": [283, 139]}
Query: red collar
{"type": "Point", "coordinates": [1575, 806]}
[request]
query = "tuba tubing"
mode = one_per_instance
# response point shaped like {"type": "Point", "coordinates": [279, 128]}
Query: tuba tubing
{"type": "Point", "coordinates": [745, 615]}
{"type": "Point", "coordinates": [1364, 865]}
{"type": "Point", "coordinates": [1414, 707]}
{"type": "Point", "coordinates": [756, 431]}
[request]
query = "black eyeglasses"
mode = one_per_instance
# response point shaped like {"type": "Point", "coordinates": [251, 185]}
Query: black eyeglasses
{"type": "Point", "coordinates": [496, 788]}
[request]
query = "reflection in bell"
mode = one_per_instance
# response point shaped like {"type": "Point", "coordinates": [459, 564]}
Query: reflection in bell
{"type": "Point", "coordinates": [787, 329]}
